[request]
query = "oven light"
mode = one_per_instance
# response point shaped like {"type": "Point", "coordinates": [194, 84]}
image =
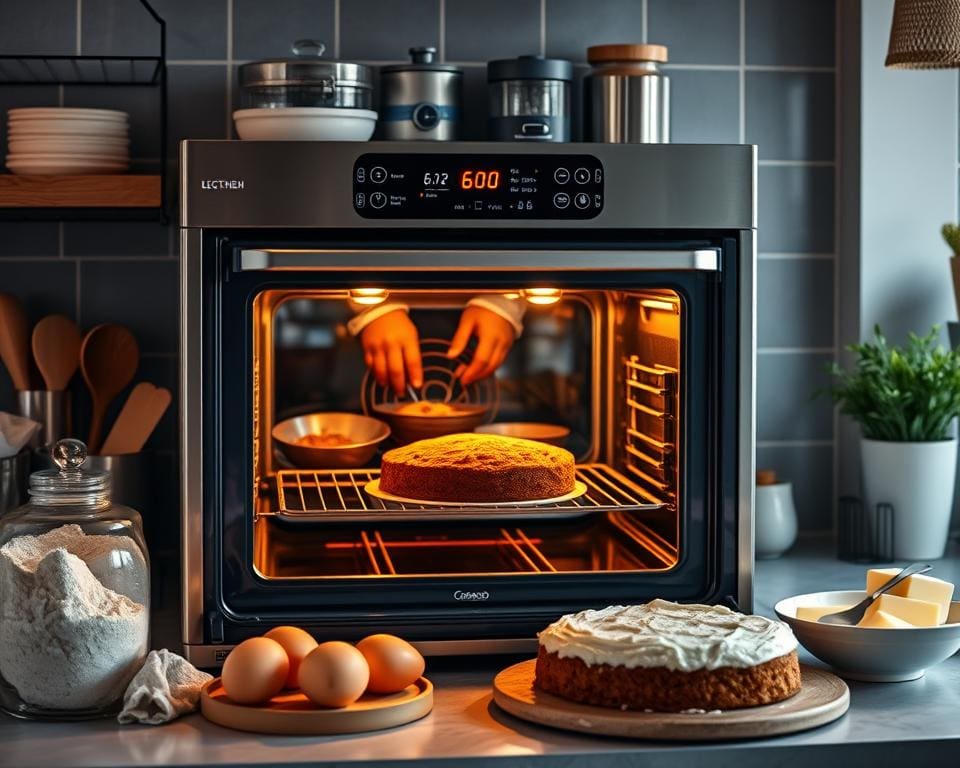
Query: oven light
{"type": "Point", "coordinates": [368, 296]}
{"type": "Point", "coordinates": [666, 306]}
{"type": "Point", "coordinates": [541, 296]}
{"type": "Point", "coordinates": [512, 295]}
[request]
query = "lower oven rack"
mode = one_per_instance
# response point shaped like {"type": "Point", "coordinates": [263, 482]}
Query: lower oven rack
{"type": "Point", "coordinates": [337, 496]}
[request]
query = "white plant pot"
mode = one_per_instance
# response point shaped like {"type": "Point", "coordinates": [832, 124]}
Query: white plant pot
{"type": "Point", "coordinates": [776, 520]}
{"type": "Point", "coordinates": [917, 479]}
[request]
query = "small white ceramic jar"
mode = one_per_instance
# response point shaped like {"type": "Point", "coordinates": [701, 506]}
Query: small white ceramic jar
{"type": "Point", "coordinates": [775, 518]}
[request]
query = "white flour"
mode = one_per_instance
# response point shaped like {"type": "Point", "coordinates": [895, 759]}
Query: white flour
{"type": "Point", "coordinates": [67, 640]}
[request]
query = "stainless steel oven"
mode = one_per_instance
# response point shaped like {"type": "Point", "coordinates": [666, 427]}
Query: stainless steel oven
{"type": "Point", "coordinates": [636, 267]}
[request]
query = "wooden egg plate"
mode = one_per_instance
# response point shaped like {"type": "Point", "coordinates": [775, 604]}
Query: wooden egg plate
{"type": "Point", "coordinates": [823, 698]}
{"type": "Point", "coordinates": [292, 713]}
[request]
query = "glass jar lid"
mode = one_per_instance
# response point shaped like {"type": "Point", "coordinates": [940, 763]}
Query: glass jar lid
{"type": "Point", "coordinates": [69, 479]}
{"type": "Point", "coordinates": [307, 69]}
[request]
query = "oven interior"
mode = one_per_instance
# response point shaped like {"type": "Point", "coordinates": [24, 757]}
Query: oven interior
{"type": "Point", "coordinates": [607, 364]}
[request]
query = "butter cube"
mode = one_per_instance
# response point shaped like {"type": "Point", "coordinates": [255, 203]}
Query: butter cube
{"type": "Point", "coordinates": [883, 620]}
{"type": "Point", "coordinates": [919, 587]}
{"type": "Point", "coordinates": [814, 612]}
{"type": "Point", "coordinates": [919, 613]}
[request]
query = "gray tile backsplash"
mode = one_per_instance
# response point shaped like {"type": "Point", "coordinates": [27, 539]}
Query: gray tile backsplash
{"type": "Point", "coordinates": [493, 29]}
{"type": "Point", "coordinates": [696, 31]}
{"type": "Point", "coordinates": [384, 30]}
{"type": "Point", "coordinates": [795, 208]}
{"type": "Point", "coordinates": [790, 114]}
{"type": "Point", "coordinates": [265, 29]}
{"type": "Point", "coordinates": [795, 303]}
{"type": "Point", "coordinates": [705, 106]}
{"type": "Point", "coordinates": [127, 272]}
{"type": "Point", "coordinates": [573, 25]}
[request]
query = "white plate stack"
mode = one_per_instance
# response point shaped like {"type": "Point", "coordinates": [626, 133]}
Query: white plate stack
{"type": "Point", "coordinates": [64, 140]}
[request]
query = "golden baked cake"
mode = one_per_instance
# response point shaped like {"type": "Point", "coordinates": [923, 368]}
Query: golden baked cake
{"type": "Point", "coordinates": [426, 408]}
{"type": "Point", "coordinates": [471, 467]}
{"type": "Point", "coordinates": [668, 657]}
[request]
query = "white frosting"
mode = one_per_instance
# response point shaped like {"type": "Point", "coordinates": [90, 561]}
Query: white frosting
{"type": "Point", "coordinates": [665, 634]}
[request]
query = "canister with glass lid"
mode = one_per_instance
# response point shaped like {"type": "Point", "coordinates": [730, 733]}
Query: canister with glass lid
{"type": "Point", "coordinates": [306, 81]}
{"type": "Point", "coordinates": [626, 98]}
{"type": "Point", "coordinates": [74, 595]}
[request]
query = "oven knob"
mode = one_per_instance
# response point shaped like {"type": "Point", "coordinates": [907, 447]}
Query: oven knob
{"type": "Point", "coordinates": [582, 200]}
{"type": "Point", "coordinates": [561, 175]}
{"type": "Point", "coordinates": [378, 175]}
{"type": "Point", "coordinates": [378, 199]}
{"type": "Point", "coordinates": [561, 200]}
{"type": "Point", "coordinates": [581, 175]}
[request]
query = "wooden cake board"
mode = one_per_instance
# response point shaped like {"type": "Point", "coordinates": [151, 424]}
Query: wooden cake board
{"type": "Point", "coordinates": [823, 698]}
{"type": "Point", "coordinates": [292, 713]}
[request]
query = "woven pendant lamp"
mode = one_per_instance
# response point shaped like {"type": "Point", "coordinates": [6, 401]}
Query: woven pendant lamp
{"type": "Point", "coordinates": [925, 34]}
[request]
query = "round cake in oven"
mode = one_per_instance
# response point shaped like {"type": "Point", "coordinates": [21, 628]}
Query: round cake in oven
{"type": "Point", "coordinates": [668, 657]}
{"type": "Point", "coordinates": [472, 467]}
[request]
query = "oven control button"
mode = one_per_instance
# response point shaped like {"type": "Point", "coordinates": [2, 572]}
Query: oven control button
{"type": "Point", "coordinates": [378, 175]}
{"type": "Point", "coordinates": [561, 200]}
{"type": "Point", "coordinates": [597, 201]}
{"type": "Point", "coordinates": [581, 175]}
{"type": "Point", "coordinates": [598, 176]}
{"type": "Point", "coordinates": [378, 199]}
{"type": "Point", "coordinates": [581, 200]}
{"type": "Point", "coordinates": [561, 175]}
{"type": "Point", "coordinates": [361, 199]}
{"type": "Point", "coordinates": [361, 175]}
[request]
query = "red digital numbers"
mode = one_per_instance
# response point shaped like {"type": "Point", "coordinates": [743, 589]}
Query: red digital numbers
{"type": "Point", "coordinates": [480, 180]}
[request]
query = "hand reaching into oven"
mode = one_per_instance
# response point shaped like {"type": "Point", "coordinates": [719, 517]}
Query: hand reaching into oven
{"type": "Point", "coordinates": [391, 349]}
{"type": "Point", "coordinates": [495, 336]}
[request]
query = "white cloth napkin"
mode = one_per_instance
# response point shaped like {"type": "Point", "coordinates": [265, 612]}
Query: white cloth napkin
{"type": "Point", "coordinates": [166, 687]}
{"type": "Point", "coordinates": [15, 432]}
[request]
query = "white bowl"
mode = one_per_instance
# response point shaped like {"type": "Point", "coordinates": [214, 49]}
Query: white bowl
{"type": "Point", "coordinates": [66, 113]}
{"type": "Point", "coordinates": [865, 653]}
{"type": "Point", "coordinates": [305, 124]}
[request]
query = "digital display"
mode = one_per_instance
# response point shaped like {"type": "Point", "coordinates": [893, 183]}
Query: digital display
{"type": "Point", "coordinates": [438, 185]}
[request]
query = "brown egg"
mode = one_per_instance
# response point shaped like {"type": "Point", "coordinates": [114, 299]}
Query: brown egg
{"type": "Point", "coordinates": [334, 674]}
{"type": "Point", "coordinates": [297, 643]}
{"type": "Point", "coordinates": [255, 670]}
{"type": "Point", "coordinates": [394, 663]}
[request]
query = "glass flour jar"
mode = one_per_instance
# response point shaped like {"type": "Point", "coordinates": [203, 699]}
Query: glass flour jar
{"type": "Point", "coordinates": [74, 595]}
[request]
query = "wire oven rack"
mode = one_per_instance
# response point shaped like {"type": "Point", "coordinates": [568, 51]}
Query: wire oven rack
{"type": "Point", "coordinates": [338, 496]}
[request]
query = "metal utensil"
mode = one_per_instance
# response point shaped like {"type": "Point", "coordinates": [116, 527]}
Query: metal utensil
{"type": "Point", "coordinates": [14, 341]}
{"type": "Point", "coordinates": [852, 616]}
{"type": "Point", "coordinates": [109, 357]}
{"type": "Point", "coordinates": [56, 350]}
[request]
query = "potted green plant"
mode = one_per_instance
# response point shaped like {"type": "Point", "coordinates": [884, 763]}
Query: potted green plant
{"type": "Point", "coordinates": [951, 235]}
{"type": "Point", "coordinates": [905, 400]}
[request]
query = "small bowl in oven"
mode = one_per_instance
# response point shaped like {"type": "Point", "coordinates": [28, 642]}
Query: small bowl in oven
{"type": "Point", "coordinates": [364, 432]}
{"type": "Point", "coordinates": [553, 434]}
{"type": "Point", "coordinates": [410, 427]}
{"type": "Point", "coordinates": [867, 653]}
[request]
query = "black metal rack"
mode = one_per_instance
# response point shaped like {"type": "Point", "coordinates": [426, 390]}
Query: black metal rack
{"type": "Point", "coordinates": [98, 71]}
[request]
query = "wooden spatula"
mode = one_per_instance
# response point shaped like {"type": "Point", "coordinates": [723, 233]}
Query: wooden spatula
{"type": "Point", "coordinates": [56, 349]}
{"type": "Point", "coordinates": [15, 341]}
{"type": "Point", "coordinates": [109, 357]}
{"type": "Point", "coordinates": [139, 417]}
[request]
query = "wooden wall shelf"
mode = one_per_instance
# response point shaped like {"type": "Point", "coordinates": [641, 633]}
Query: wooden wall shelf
{"type": "Point", "coordinates": [80, 191]}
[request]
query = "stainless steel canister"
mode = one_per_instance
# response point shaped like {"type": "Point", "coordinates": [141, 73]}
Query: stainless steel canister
{"type": "Point", "coordinates": [14, 475]}
{"type": "Point", "coordinates": [626, 96]}
{"type": "Point", "coordinates": [421, 100]}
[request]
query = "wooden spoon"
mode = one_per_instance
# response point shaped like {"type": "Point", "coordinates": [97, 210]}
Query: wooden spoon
{"type": "Point", "coordinates": [137, 420]}
{"type": "Point", "coordinates": [109, 357]}
{"type": "Point", "coordinates": [56, 348]}
{"type": "Point", "coordinates": [14, 341]}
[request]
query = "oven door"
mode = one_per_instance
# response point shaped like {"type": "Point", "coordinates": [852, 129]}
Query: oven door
{"type": "Point", "coordinates": [666, 526]}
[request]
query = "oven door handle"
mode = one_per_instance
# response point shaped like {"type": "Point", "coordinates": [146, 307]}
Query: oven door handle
{"type": "Point", "coordinates": [477, 260]}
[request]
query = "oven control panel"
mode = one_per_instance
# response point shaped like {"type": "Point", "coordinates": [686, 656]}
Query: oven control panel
{"type": "Point", "coordinates": [442, 186]}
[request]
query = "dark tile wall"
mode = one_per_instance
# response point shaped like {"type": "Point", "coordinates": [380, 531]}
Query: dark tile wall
{"type": "Point", "coordinates": [760, 71]}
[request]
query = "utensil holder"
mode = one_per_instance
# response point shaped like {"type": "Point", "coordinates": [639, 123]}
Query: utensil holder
{"type": "Point", "coordinates": [50, 408]}
{"type": "Point", "coordinates": [865, 534]}
{"type": "Point", "coordinates": [14, 476]}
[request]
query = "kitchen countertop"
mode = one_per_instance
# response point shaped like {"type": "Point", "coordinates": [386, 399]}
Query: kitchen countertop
{"type": "Point", "coordinates": [916, 723]}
